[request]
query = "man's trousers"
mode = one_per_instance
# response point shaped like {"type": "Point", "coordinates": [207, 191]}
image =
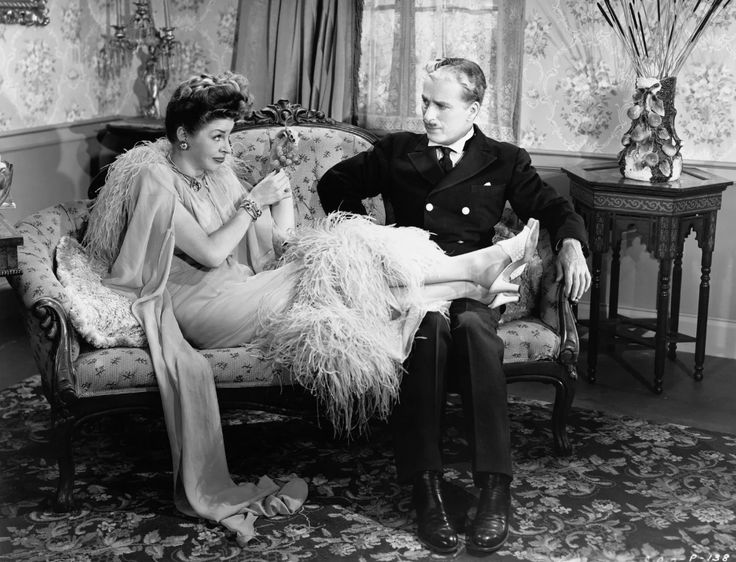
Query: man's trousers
{"type": "Point", "coordinates": [465, 354]}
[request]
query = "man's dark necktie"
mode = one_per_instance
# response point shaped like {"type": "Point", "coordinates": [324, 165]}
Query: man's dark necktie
{"type": "Point", "coordinates": [445, 161]}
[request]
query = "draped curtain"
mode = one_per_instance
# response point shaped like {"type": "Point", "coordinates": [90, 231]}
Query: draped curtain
{"type": "Point", "coordinates": [300, 50]}
{"type": "Point", "coordinates": [398, 39]}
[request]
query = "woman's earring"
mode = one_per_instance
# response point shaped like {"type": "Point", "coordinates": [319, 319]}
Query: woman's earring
{"type": "Point", "coordinates": [184, 145]}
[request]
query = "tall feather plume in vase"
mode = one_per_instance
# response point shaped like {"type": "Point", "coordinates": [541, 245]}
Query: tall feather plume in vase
{"type": "Point", "coordinates": [659, 35]}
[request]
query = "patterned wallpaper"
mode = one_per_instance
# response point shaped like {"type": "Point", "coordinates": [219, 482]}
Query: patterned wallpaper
{"type": "Point", "coordinates": [578, 83]}
{"type": "Point", "coordinates": [48, 75]}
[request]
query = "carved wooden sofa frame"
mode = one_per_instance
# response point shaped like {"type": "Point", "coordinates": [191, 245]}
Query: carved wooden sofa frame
{"type": "Point", "coordinates": [81, 383]}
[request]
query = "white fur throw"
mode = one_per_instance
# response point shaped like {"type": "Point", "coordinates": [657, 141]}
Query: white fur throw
{"type": "Point", "coordinates": [100, 315]}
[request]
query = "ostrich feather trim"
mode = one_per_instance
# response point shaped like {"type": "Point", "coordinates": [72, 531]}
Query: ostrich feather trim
{"type": "Point", "coordinates": [342, 336]}
{"type": "Point", "coordinates": [109, 214]}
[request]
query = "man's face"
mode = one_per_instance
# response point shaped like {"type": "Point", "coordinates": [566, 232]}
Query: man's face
{"type": "Point", "coordinates": [447, 116]}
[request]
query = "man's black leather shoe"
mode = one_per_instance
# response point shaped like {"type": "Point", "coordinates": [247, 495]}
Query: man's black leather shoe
{"type": "Point", "coordinates": [490, 528]}
{"type": "Point", "coordinates": [435, 530]}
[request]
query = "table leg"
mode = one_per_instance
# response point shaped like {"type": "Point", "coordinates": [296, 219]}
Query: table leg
{"type": "Point", "coordinates": [595, 315]}
{"type": "Point", "coordinates": [703, 297]}
{"type": "Point", "coordinates": [660, 340]}
{"type": "Point", "coordinates": [615, 274]}
{"type": "Point", "coordinates": [675, 306]}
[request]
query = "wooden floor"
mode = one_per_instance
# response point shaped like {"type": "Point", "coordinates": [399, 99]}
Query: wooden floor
{"type": "Point", "coordinates": [708, 404]}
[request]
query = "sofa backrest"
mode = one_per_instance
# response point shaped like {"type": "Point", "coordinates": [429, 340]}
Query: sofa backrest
{"type": "Point", "coordinates": [321, 143]}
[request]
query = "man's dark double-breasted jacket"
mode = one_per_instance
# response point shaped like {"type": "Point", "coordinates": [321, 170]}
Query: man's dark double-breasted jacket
{"type": "Point", "coordinates": [459, 208]}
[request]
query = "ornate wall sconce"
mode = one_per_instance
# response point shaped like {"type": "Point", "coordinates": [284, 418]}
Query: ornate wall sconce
{"type": "Point", "coordinates": [155, 46]}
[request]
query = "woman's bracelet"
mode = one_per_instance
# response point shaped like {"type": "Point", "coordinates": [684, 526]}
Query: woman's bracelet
{"type": "Point", "coordinates": [252, 208]}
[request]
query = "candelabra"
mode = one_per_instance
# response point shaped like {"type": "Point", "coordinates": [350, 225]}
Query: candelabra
{"type": "Point", "coordinates": [156, 48]}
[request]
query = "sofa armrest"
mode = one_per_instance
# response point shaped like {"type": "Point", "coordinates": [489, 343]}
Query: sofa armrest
{"type": "Point", "coordinates": [58, 381]}
{"type": "Point", "coordinates": [36, 262]}
{"type": "Point", "coordinates": [567, 327]}
{"type": "Point", "coordinates": [556, 312]}
{"type": "Point", "coordinates": [54, 343]}
{"type": "Point", "coordinates": [41, 233]}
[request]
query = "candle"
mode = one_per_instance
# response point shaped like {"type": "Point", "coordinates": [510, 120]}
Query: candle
{"type": "Point", "coordinates": [167, 23]}
{"type": "Point", "coordinates": [118, 10]}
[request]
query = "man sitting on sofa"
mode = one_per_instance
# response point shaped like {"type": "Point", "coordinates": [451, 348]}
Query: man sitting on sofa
{"type": "Point", "coordinates": [454, 182]}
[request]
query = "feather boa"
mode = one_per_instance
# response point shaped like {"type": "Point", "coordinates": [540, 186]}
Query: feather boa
{"type": "Point", "coordinates": [110, 211]}
{"type": "Point", "coordinates": [342, 335]}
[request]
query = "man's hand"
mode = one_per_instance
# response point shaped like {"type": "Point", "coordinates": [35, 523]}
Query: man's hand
{"type": "Point", "coordinates": [572, 266]}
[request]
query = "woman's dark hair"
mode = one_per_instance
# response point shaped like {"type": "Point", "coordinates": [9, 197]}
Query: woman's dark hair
{"type": "Point", "coordinates": [204, 98]}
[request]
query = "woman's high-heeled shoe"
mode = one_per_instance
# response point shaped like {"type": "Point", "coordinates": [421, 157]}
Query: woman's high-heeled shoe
{"type": "Point", "coordinates": [520, 249]}
{"type": "Point", "coordinates": [504, 298]}
{"type": "Point", "coordinates": [502, 284]}
{"type": "Point", "coordinates": [507, 292]}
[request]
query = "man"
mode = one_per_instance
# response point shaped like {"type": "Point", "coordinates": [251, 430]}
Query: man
{"type": "Point", "coordinates": [454, 182]}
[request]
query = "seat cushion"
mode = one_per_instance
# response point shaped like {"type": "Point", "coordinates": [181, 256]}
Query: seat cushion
{"type": "Point", "coordinates": [123, 370]}
{"type": "Point", "coordinates": [528, 339]}
{"type": "Point", "coordinates": [127, 369]}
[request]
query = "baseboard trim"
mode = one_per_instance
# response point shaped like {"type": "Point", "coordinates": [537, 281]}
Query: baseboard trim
{"type": "Point", "coordinates": [720, 333]}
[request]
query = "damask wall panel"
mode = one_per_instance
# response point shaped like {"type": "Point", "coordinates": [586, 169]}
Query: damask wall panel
{"type": "Point", "coordinates": [48, 75]}
{"type": "Point", "coordinates": [578, 83]}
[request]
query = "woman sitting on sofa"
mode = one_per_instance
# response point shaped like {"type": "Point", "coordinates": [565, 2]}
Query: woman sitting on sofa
{"type": "Point", "coordinates": [196, 249]}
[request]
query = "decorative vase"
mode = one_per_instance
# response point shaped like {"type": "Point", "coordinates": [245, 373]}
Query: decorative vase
{"type": "Point", "coordinates": [651, 146]}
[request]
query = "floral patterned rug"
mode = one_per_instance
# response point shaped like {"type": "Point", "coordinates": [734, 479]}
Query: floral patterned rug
{"type": "Point", "coordinates": [632, 491]}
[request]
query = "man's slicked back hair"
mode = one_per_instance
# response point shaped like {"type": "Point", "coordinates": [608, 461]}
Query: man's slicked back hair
{"type": "Point", "coordinates": [468, 74]}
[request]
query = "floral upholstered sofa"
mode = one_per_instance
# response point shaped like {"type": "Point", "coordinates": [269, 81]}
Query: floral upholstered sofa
{"type": "Point", "coordinates": [82, 380]}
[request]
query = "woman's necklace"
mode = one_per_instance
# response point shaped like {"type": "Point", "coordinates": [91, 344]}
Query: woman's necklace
{"type": "Point", "coordinates": [195, 183]}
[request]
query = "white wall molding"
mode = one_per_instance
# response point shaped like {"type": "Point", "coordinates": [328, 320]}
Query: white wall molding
{"type": "Point", "coordinates": [38, 137]}
{"type": "Point", "coordinates": [720, 334]}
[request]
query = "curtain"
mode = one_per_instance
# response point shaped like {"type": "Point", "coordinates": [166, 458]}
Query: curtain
{"type": "Point", "coordinates": [300, 50]}
{"type": "Point", "coordinates": [398, 39]}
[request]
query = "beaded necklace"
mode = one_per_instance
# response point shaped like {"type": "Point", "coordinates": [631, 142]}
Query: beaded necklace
{"type": "Point", "coordinates": [195, 183]}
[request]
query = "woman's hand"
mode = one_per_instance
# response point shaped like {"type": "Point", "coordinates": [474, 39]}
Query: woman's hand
{"type": "Point", "coordinates": [272, 189]}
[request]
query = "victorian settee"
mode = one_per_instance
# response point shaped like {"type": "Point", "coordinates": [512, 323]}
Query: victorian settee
{"type": "Point", "coordinates": [82, 381]}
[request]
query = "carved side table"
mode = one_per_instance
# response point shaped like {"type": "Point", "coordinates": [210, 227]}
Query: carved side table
{"type": "Point", "coordinates": [123, 134]}
{"type": "Point", "coordinates": [664, 215]}
{"type": "Point", "coordinates": [119, 136]}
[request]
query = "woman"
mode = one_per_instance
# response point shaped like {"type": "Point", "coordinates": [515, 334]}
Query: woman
{"type": "Point", "coordinates": [339, 310]}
